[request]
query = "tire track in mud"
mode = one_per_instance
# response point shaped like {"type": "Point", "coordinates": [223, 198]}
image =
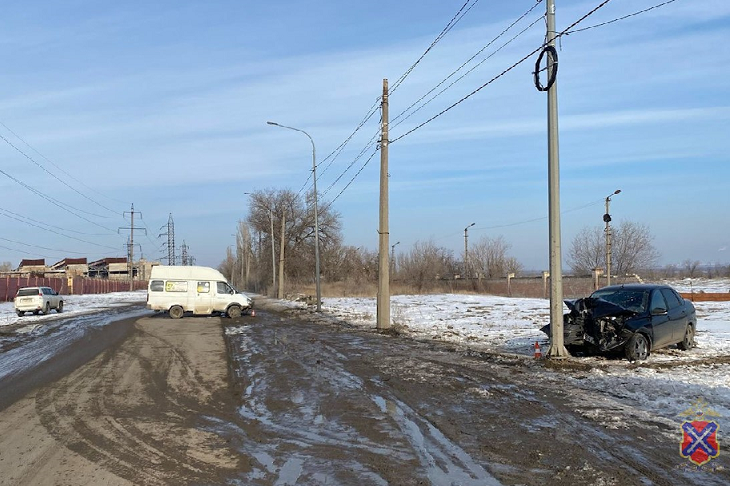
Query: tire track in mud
{"type": "Point", "coordinates": [340, 426]}
{"type": "Point", "coordinates": [135, 410]}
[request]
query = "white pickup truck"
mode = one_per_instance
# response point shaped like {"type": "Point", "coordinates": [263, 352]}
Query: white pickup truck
{"type": "Point", "coordinates": [37, 300]}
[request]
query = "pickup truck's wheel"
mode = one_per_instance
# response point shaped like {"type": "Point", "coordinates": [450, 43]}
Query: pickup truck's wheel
{"type": "Point", "coordinates": [689, 338]}
{"type": "Point", "coordinates": [21, 313]}
{"type": "Point", "coordinates": [234, 312]}
{"type": "Point", "coordinates": [59, 309]}
{"type": "Point", "coordinates": [637, 349]}
{"type": "Point", "coordinates": [176, 312]}
{"type": "Point", "coordinates": [47, 308]}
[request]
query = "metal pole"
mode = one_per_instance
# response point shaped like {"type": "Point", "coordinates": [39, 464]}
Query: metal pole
{"type": "Point", "coordinates": [392, 257]}
{"type": "Point", "coordinates": [316, 215]}
{"type": "Point", "coordinates": [383, 310]}
{"type": "Point", "coordinates": [466, 251]}
{"type": "Point", "coordinates": [607, 220]}
{"type": "Point", "coordinates": [557, 345]}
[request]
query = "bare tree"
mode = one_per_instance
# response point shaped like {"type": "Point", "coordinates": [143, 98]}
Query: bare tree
{"type": "Point", "coordinates": [488, 257]}
{"type": "Point", "coordinates": [690, 267]}
{"type": "Point", "coordinates": [425, 263]}
{"type": "Point", "coordinates": [6, 266]}
{"type": "Point", "coordinates": [632, 249]}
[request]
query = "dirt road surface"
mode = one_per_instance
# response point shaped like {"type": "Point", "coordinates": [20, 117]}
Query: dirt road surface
{"type": "Point", "coordinates": [275, 400]}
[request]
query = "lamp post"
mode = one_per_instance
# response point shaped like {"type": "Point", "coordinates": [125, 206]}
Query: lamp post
{"type": "Point", "coordinates": [607, 220]}
{"type": "Point", "coordinates": [466, 251]}
{"type": "Point", "coordinates": [392, 255]}
{"type": "Point", "coordinates": [316, 217]}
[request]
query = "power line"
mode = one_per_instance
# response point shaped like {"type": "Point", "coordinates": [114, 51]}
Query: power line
{"type": "Point", "coordinates": [54, 175]}
{"type": "Point", "coordinates": [57, 203]}
{"type": "Point", "coordinates": [621, 18]}
{"type": "Point", "coordinates": [463, 75]}
{"type": "Point", "coordinates": [10, 215]}
{"type": "Point", "coordinates": [351, 180]}
{"type": "Point", "coordinates": [57, 166]}
{"type": "Point", "coordinates": [38, 246]}
{"type": "Point", "coordinates": [534, 51]}
{"type": "Point", "coordinates": [362, 152]}
{"type": "Point", "coordinates": [454, 20]}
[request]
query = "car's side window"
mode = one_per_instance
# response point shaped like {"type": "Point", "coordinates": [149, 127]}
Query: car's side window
{"type": "Point", "coordinates": [671, 298]}
{"type": "Point", "coordinates": [157, 285]}
{"type": "Point", "coordinates": [223, 288]}
{"type": "Point", "coordinates": [657, 301]}
{"type": "Point", "coordinates": [203, 287]}
{"type": "Point", "coordinates": [47, 291]}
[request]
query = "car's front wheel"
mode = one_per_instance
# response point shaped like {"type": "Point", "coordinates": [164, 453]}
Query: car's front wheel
{"type": "Point", "coordinates": [176, 312]}
{"type": "Point", "coordinates": [637, 349]}
{"type": "Point", "coordinates": [689, 338]}
{"type": "Point", "coordinates": [234, 312]}
{"type": "Point", "coordinates": [21, 313]}
{"type": "Point", "coordinates": [59, 308]}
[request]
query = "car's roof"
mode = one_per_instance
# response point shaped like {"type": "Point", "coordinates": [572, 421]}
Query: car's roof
{"type": "Point", "coordinates": [637, 286]}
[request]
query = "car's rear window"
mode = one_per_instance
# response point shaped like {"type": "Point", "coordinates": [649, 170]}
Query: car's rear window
{"type": "Point", "coordinates": [27, 292]}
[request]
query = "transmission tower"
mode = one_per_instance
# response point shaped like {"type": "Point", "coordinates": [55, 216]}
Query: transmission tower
{"type": "Point", "coordinates": [184, 255]}
{"type": "Point", "coordinates": [170, 241]}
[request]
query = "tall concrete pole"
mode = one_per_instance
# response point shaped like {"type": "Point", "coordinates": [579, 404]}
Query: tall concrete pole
{"type": "Point", "coordinates": [557, 345]}
{"type": "Point", "coordinates": [281, 255]}
{"type": "Point", "coordinates": [131, 252]}
{"type": "Point", "coordinates": [273, 252]}
{"type": "Point", "coordinates": [383, 318]}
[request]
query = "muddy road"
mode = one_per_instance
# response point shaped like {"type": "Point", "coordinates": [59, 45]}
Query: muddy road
{"type": "Point", "coordinates": [276, 400]}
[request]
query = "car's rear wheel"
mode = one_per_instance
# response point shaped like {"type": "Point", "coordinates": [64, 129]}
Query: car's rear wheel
{"type": "Point", "coordinates": [176, 312]}
{"type": "Point", "coordinates": [234, 312]}
{"type": "Point", "coordinates": [47, 308]}
{"type": "Point", "coordinates": [689, 338]}
{"type": "Point", "coordinates": [59, 309]}
{"type": "Point", "coordinates": [637, 349]}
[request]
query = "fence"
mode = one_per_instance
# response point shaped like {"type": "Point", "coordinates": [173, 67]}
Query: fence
{"type": "Point", "coordinates": [65, 286]}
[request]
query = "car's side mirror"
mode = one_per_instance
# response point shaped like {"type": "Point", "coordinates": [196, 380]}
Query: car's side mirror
{"type": "Point", "coordinates": [658, 311]}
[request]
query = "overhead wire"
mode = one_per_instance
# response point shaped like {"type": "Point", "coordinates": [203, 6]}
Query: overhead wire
{"type": "Point", "coordinates": [639, 12]}
{"type": "Point", "coordinates": [56, 177]}
{"type": "Point", "coordinates": [9, 215]}
{"type": "Point", "coordinates": [514, 65]}
{"type": "Point", "coordinates": [453, 73]}
{"type": "Point", "coordinates": [41, 247]}
{"type": "Point", "coordinates": [57, 166]}
{"type": "Point", "coordinates": [454, 20]}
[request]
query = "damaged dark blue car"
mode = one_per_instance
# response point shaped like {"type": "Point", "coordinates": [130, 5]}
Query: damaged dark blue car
{"type": "Point", "coordinates": [633, 318]}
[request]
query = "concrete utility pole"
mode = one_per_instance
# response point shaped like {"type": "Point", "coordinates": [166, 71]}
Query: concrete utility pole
{"type": "Point", "coordinates": [466, 251]}
{"type": "Point", "coordinates": [316, 216]}
{"type": "Point", "coordinates": [383, 319]}
{"type": "Point", "coordinates": [130, 263]}
{"type": "Point", "coordinates": [557, 345]}
{"type": "Point", "coordinates": [273, 252]}
{"type": "Point", "coordinates": [281, 255]}
{"type": "Point", "coordinates": [607, 220]}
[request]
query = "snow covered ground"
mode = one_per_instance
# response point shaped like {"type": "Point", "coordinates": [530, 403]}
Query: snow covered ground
{"type": "Point", "coordinates": [73, 305]}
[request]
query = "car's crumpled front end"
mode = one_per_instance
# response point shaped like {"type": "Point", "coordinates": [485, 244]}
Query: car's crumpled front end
{"type": "Point", "coordinates": [595, 322]}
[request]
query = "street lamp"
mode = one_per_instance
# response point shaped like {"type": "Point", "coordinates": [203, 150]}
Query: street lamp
{"type": "Point", "coordinates": [392, 254]}
{"type": "Point", "coordinates": [607, 220]}
{"type": "Point", "coordinates": [466, 251]}
{"type": "Point", "coordinates": [316, 217]}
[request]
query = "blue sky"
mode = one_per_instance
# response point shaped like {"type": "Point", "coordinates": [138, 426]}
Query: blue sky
{"type": "Point", "coordinates": [164, 105]}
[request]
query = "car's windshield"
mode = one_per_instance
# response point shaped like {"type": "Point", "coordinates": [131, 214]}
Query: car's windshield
{"type": "Point", "coordinates": [27, 292]}
{"type": "Point", "coordinates": [633, 300]}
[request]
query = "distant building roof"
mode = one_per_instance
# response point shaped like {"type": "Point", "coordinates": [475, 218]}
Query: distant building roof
{"type": "Point", "coordinates": [32, 263]}
{"type": "Point", "coordinates": [69, 261]}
